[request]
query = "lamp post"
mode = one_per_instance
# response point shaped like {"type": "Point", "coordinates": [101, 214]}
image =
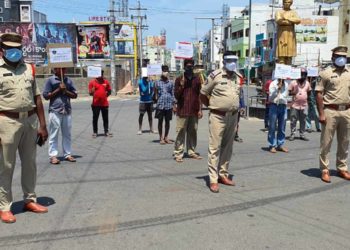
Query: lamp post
{"type": "Point", "coordinates": [249, 55]}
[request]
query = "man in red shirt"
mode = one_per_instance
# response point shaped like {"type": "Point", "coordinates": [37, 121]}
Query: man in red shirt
{"type": "Point", "coordinates": [189, 109]}
{"type": "Point", "coordinates": [100, 89]}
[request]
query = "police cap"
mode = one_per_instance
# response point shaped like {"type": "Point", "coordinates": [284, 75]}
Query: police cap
{"type": "Point", "coordinates": [11, 39]}
{"type": "Point", "coordinates": [340, 50]}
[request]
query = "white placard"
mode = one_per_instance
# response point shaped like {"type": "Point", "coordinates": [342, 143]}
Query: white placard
{"type": "Point", "coordinates": [184, 50]}
{"type": "Point", "coordinates": [295, 73]}
{"type": "Point", "coordinates": [94, 71]}
{"type": "Point", "coordinates": [282, 71]}
{"type": "Point", "coordinates": [154, 69]}
{"type": "Point", "coordinates": [60, 55]}
{"type": "Point", "coordinates": [312, 71]}
{"type": "Point", "coordinates": [144, 72]}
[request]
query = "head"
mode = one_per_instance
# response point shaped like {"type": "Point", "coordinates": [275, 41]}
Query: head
{"type": "Point", "coordinates": [11, 47]}
{"type": "Point", "coordinates": [188, 66]}
{"type": "Point", "coordinates": [303, 75]}
{"type": "Point", "coordinates": [101, 77]}
{"type": "Point", "coordinates": [230, 61]}
{"type": "Point", "coordinates": [93, 33]}
{"type": "Point", "coordinates": [339, 56]}
{"type": "Point", "coordinates": [165, 72]}
{"type": "Point", "coordinates": [287, 4]}
{"type": "Point", "coordinates": [57, 71]}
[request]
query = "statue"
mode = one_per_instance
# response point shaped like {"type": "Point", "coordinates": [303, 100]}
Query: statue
{"type": "Point", "coordinates": [286, 19]}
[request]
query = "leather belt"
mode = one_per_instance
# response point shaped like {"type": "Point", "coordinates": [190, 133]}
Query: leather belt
{"type": "Point", "coordinates": [222, 113]}
{"type": "Point", "coordinates": [17, 115]}
{"type": "Point", "coordinates": [337, 107]}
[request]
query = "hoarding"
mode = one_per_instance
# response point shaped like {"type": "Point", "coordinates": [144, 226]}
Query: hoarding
{"type": "Point", "coordinates": [312, 30]}
{"type": "Point", "coordinates": [124, 31]}
{"type": "Point", "coordinates": [156, 41]}
{"type": "Point", "coordinates": [93, 42]}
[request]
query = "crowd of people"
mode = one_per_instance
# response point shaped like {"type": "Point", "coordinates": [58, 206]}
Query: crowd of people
{"type": "Point", "coordinates": [21, 110]}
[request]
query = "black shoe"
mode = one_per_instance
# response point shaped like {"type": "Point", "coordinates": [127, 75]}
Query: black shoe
{"type": "Point", "coordinates": [292, 138]}
{"type": "Point", "coordinates": [309, 130]}
{"type": "Point", "coordinates": [319, 130]}
{"type": "Point", "coordinates": [238, 139]}
{"type": "Point", "coordinates": [304, 138]}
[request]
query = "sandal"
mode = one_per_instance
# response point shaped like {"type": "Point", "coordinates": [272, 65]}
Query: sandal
{"type": "Point", "coordinates": [162, 142]}
{"type": "Point", "coordinates": [196, 157]}
{"type": "Point", "coordinates": [179, 159]}
{"type": "Point", "coordinates": [94, 135]}
{"type": "Point", "coordinates": [54, 160]}
{"type": "Point", "coordinates": [70, 158]}
{"type": "Point", "coordinates": [168, 141]}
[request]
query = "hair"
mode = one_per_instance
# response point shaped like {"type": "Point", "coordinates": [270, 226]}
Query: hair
{"type": "Point", "coordinates": [165, 68]}
{"type": "Point", "coordinates": [187, 61]}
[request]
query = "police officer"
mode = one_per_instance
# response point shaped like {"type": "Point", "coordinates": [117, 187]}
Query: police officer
{"type": "Point", "coordinates": [333, 104]}
{"type": "Point", "coordinates": [20, 109]}
{"type": "Point", "coordinates": [221, 94]}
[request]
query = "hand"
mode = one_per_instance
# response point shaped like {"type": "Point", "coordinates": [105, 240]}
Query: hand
{"type": "Point", "coordinates": [322, 119]}
{"type": "Point", "coordinates": [174, 109]}
{"type": "Point", "coordinates": [42, 131]}
{"type": "Point", "coordinates": [63, 87]}
{"type": "Point", "coordinates": [242, 111]}
{"type": "Point", "coordinates": [200, 114]}
{"type": "Point", "coordinates": [93, 90]}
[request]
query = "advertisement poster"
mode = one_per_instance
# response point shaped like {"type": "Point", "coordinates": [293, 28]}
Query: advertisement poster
{"type": "Point", "coordinates": [183, 50]}
{"type": "Point", "coordinates": [124, 47]}
{"type": "Point", "coordinates": [312, 30]}
{"type": "Point", "coordinates": [93, 42]}
{"type": "Point", "coordinates": [156, 41]}
{"type": "Point", "coordinates": [124, 31]}
{"type": "Point", "coordinates": [47, 33]}
{"type": "Point", "coordinates": [25, 13]}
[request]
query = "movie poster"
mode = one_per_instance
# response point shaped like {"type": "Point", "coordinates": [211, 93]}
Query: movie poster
{"type": "Point", "coordinates": [54, 33]}
{"type": "Point", "coordinates": [124, 47]}
{"type": "Point", "coordinates": [93, 42]}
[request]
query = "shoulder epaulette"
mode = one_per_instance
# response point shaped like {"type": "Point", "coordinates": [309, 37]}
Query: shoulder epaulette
{"type": "Point", "coordinates": [215, 74]}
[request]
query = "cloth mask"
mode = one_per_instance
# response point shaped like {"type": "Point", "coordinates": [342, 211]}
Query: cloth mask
{"type": "Point", "coordinates": [340, 61]}
{"type": "Point", "coordinates": [165, 74]}
{"type": "Point", "coordinates": [13, 55]}
{"type": "Point", "coordinates": [231, 66]}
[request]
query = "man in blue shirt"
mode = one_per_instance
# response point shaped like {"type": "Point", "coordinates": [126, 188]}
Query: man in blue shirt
{"type": "Point", "coordinates": [146, 88]}
{"type": "Point", "coordinates": [59, 89]}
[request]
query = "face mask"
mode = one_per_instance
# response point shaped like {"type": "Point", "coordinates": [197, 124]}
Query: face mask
{"type": "Point", "coordinates": [231, 66]}
{"type": "Point", "coordinates": [165, 74]}
{"type": "Point", "coordinates": [13, 55]}
{"type": "Point", "coordinates": [340, 61]}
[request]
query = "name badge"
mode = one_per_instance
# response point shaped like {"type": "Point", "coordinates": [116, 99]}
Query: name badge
{"type": "Point", "coordinates": [7, 74]}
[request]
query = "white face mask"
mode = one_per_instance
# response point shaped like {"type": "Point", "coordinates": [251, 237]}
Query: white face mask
{"type": "Point", "coordinates": [231, 66]}
{"type": "Point", "coordinates": [340, 61]}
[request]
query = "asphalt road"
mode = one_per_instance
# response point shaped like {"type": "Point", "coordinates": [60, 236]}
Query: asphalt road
{"type": "Point", "coordinates": [126, 192]}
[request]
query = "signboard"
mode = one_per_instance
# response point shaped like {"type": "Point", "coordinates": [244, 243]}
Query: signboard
{"type": "Point", "coordinates": [312, 71]}
{"type": "Point", "coordinates": [47, 33]}
{"type": "Point", "coordinates": [282, 71]}
{"type": "Point", "coordinates": [124, 31]}
{"type": "Point", "coordinates": [183, 50]}
{"type": "Point", "coordinates": [93, 42]}
{"type": "Point", "coordinates": [60, 55]}
{"type": "Point", "coordinates": [154, 69]}
{"type": "Point", "coordinates": [295, 73]}
{"type": "Point", "coordinates": [25, 13]}
{"type": "Point", "coordinates": [156, 41]}
{"type": "Point", "coordinates": [94, 71]}
{"type": "Point", "coordinates": [124, 47]}
{"type": "Point", "coordinates": [312, 30]}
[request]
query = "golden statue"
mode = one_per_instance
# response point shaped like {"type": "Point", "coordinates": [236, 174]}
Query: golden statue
{"type": "Point", "coordinates": [286, 19]}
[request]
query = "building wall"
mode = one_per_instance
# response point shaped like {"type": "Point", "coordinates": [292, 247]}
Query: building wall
{"type": "Point", "coordinates": [344, 26]}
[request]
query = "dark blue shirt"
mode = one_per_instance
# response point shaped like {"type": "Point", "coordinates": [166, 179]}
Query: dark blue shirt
{"type": "Point", "coordinates": [61, 102]}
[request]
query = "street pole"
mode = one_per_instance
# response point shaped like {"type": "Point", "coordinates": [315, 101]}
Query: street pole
{"type": "Point", "coordinates": [111, 45]}
{"type": "Point", "coordinates": [249, 55]}
{"type": "Point", "coordinates": [212, 44]}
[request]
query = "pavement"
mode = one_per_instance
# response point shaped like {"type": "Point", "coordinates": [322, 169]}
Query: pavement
{"type": "Point", "coordinates": [126, 192]}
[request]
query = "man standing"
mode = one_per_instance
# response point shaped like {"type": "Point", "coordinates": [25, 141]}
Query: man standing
{"type": "Point", "coordinates": [278, 94]}
{"type": "Point", "coordinates": [189, 109]}
{"type": "Point", "coordinates": [146, 88]}
{"type": "Point", "coordinates": [100, 89]}
{"type": "Point", "coordinates": [312, 110]}
{"type": "Point", "coordinates": [300, 90]}
{"type": "Point", "coordinates": [20, 109]}
{"type": "Point", "coordinates": [333, 104]}
{"type": "Point", "coordinates": [59, 89]}
{"type": "Point", "coordinates": [221, 95]}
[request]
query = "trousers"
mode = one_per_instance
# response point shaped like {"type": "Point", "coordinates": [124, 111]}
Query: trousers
{"type": "Point", "coordinates": [59, 122]}
{"type": "Point", "coordinates": [186, 127]}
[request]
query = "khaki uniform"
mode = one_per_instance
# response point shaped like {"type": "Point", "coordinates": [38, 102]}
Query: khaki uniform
{"type": "Point", "coordinates": [17, 91]}
{"type": "Point", "coordinates": [335, 87]}
{"type": "Point", "coordinates": [223, 93]}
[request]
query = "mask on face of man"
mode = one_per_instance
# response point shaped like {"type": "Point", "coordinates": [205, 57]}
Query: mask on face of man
{"type": "Point", "coordinates": [165, 75]}
{"type": "Point", "coordinates": [340, 61]}
{"type": "Point", "coordinates": [189, 71]}
{"type": "Point", "coordinates": [231, 66]}
{"type": "Point", "coordinates": [13, 55]}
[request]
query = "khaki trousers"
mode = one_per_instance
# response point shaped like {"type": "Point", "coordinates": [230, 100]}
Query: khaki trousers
{"type": "Point", "coordinates": [17, 134]}
{"type": "Point", "coordinates": [222, 130]}
{"type": "Point", "coordinates": [186, 127]}
{"type": "Point", "coordinates": [337, 121]}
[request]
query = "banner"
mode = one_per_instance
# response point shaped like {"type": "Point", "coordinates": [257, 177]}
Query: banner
{"type": "Point", "coordinates": [312, 71]}
{"type": "Point", "coordinates": [282, 71]}
{"type": "Point", "coordinates": [155, 41]}
{"type": "Point", "coordinates": [93, 42]}
{"type": "Point", "coordinates": [154, 69]}
{"type": "Point", "coordinates": [124, 47]}
{"type": "Point", "coordinates": [183, 50]}
{"type": "Point", "coordinates": [124, 31]}
{"type": "Point", "coordinates": [312, 30]}
{"type": "Point", "coordinates": [94, 71]}
{"type": "Point", "coordinates": [47, 33]}
{"type": "Point", "coordinates": [59, 55]}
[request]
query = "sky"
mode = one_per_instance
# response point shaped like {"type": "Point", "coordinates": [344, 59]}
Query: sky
{"type": "Point", "coordinates": [177, 17]}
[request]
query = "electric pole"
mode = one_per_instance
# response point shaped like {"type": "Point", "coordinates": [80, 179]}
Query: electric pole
{"type": "Point", "coordinates": [140, 26]}
{"type": "Point", "coordinates": [111, 45]}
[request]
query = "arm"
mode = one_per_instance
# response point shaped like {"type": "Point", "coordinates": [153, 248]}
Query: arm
{"type": "Point", "coordinates": [179, 88]}
{"type": "Point", "coordinates": [319, 101]}
{"type": "Point", "coordinates": [42, 130]}
{"type": "Point", "coordinates": [91, 88]}
{"type": "Point", "coordinates": [273, 91]}
{"type": "Point", "coordinates": [71, 91]}
{"type": "Point", "coordinates": [48, 92]}
{"type": "Point", "coordinates": [108, 88]}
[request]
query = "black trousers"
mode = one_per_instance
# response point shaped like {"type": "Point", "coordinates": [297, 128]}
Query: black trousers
{"type": "Point", "coordinates": [95, 114]}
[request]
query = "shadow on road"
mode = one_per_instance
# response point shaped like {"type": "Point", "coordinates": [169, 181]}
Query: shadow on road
{"type": "Point", "coordinates": [17, 207]}
{"type": "Point", "coordinates": [316, 173]}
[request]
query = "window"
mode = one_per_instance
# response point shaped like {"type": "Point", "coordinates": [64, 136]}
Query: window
{"type": "Point", "coordinates": [247, 53]}
{"type": "Point", "coordinates": [7, 4]}
{"type": "Point", "coordinates": [1, 19]}
{"type": "Point", "coordinates": [247, 32]}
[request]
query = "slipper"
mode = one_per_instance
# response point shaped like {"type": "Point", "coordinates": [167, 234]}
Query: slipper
{"type": "Point", "coordinates": [94, 135]}
{"type": "Point", "coordinates": [107, 134]}
{"type": "Point", "coordinates": [162, 142]}
{"type": "Point", "coordinates": [70, 158]}
{"type": "Point", "coordinates": [139, 132]}
{"type": "Point", "coordinates": [196, 157]}
{"type": "Point", "coordinates": [168, 141]}
{"type": "Point", "coordinates": [54, 160]}
{"type": "Point", "coordinates": [179, 159]}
